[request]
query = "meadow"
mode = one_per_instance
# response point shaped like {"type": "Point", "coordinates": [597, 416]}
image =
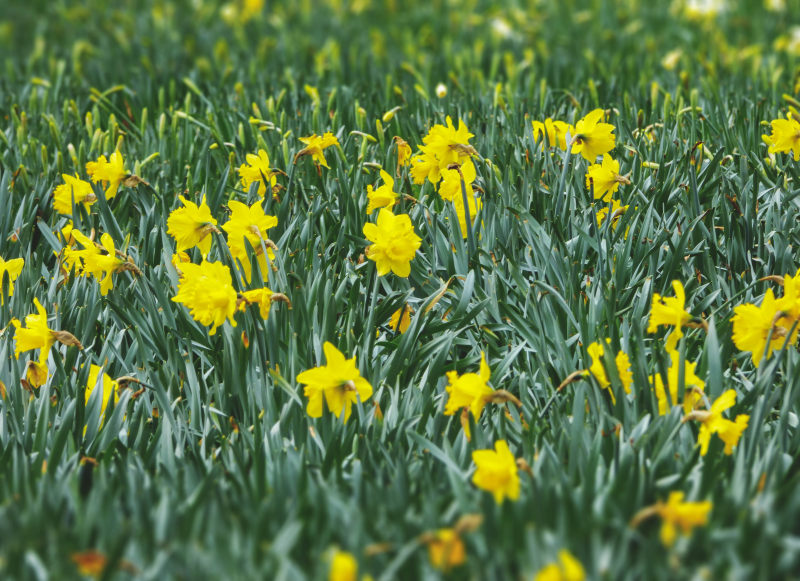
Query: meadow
{"type": "Point", "coordinates": [399, 290]}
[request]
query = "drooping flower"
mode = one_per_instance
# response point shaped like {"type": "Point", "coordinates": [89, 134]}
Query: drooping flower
{"type": "Point", "coordinates": [338, 382]}
{"type": "Point", "coordinates": [384, 196]}
{"type": "Point", "coordinates": [593, 138]}
{"type": "Point", "coordinates": [598, 371]}
{"type": "Point", "coordinates": [552, 133]}
{"type": "Point", "coordinates": [752, 326]}
{"type": "Point", "coordinates": [251, 223]}
{"type": "Point", "coordinates": [257, 170]}
{"type": "Point", "coordinates": [617, 210]}
{"type": "Point", "coordinates": [712, 422]}
{"type": "Point", "coordinates": [403, 153]}
{"type": "Point", "coordinates": [693, 386]}
{"type": "Point", "coordinates": [604, 178]}
{"type": "Point", "coordinates": [469, 390]}
{"type": "Point", "coordinates": [394, 243]}
{"type": "Point", "coordinates": [669, 311]}
{"type": "Point", "coordinates": [109, 171]}
{"type": "Point", "coordinates": [401, 319]}
{"type": "Point", "coordinates": [37, 335]}
{"type": "Point", "coordinates": [785, 137]}
{"type": "Point", "coordinates": [14, 268]}
{"type": "Point", "coordinates": [677, 513]}
{"type": "Point", "coordinates": [496, 472]}
{"type": "Point", "coordinates": [262, 297]}
{"type": "Point", "coordinates": [315, 144]}
{"type": "Point", "coordinates": [568, 568]}
{"type": "Point", "coordinates": [344, 567]}
{"type": "Point", "coordinates": [206, 289]}
{"type": "Point", "coordinates": [446, 549]}
{"type": "Point", "coordinates": [191, 226]}
{"type": "Point", "coordinates": [73, 187]}
{"type": "Point", "coordinates": [109, 386]}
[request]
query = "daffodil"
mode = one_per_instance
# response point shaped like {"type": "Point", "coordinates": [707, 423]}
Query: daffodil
{"type": "Point", "coordinates": [568, 568]}
{"type": "Point", "coordinates": [207, 291]}
{"type": "Point", "coordinates": [101, 261]}
{"type": "Point", "coordinates": [450, 189]}
{"type": "Point", "coordinates": [604, 178]}
{"type": "Point", "coordinates": [598, 371]}
{"type": "Point", "coordinates": [109, 387]}
{"type": "Point", "coordinates": [712, 422]}
{"type": "Point", "coordinates": [425, 166]}
{"type": "Point", "coordinates": [344, 567]}
{"type": "Point", "coordinates": [384, 196]}
{"type": "Point", "coordinates": [262, 297]}
{"type": "Point", "coordinates": [257, 170]}
{"type": "Point", "coordinates": [443, 146]}
{"type": "Point", "coordinates": [785, 137]}
{"type": "Point", "coordinates": [496, 472]}
{"type": "Point", "coordinates": [394, 243]}
{"type": "Point", "coordinates": [315, 144]}
{"type": "Point", "coordinates": [403, 153]}
{"type": "Point", "coordinates": [693, 386]}
{"type": "Point", "coordinates": [110, 171]}
{"type": "Point", "coordinates": [37, 335]}
{"type": "Point", "coordinates": [191, 226]}
{"type": "Point", "coordinates": [338, 382]}
{"type": "Point", "coordinates": [249, 223]}
{"type": "Point", "coordinates": [36, 373]}
{"type": "Point", "coordinates": [669, 311]}
{"type": "Point", "coordinates": [14, 268]}
{"type": "Point", "coordinates": [552, 133]}
{"type": "Point", "coordinates": [593, 138]}
{"type": "Point", "coordinates": [446, 549]}
{"type": "Point", "coordinates": [616, 211]}
{"type": "Point", "coordinates": [679, 514]}
{"type": "Point", "coordinates": [72, 188]}
{"type": "Point", "coordinates": [469, 390]}
{"type": "Point", "coordinates": [752, 325]}
{"type": "Point", "coordinates": [401, 319]}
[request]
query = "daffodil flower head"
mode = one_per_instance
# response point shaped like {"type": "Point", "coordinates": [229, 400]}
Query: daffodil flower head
{"type": "Point", "coordinates": [97, 376]}
{"type": "Point", "coordinates": [261, 297]}
{"type": "Point", "coordinates": [676, 513]}
{"type": "Point", "coordinates": [401, 319]}
{"type": "Point", "coordinates": [382, 197]}
{"type": "Point", "coordinates": [110, 171]}
{"type": "Point", "coordinates": [14, 268]}
{"type": "Point", "coordinates": [249, 223]}
{"type": "Point", "coordinates": [598, 371]}
{"type": "Point", "coordinates": [206, 289]}
{"type": "Point", "coordinates": [712, 422]}
{"type": "Point", "coordinates": [552, 133]}
{"type": "Point", "coordinates": [752, 325]}
{"type": "Point", "coordinates": [338, 382]}
{"type": "Point", "coordinates": [394, 243]}
{"type": "Point", "coordinates": [604, 178]}
{"type": "Point", "coordinates": [72, 188]}
{"type": "Point", "coordinates": [593, 138]}
{"type": "Point", "coordinates": [191, 226]}
{"type": "Point", "coordinates": [616, 211]}
{"type": "Point", "coordinates": [568, 568]}
{"type": "Point", "coordinates": [469, 390]}
{"type": "Point", "coordinates": [35, 334]}
{"type": "Point", "coordinates": [446, 549]}
{"type": "Point", "coordinates": [785, 137]}
{"type": "Point", "coordinates": [669, 311]}
{"type": "Point", "coordinates": [496, 472]}
{"type": "Point", "coordinates": [100, 262]}
{"type": "Point", "coordinates": [344, 567]}
{"type": "Point", "coordinates": [693, 386]}
{"type": "Point", "coordinates": [314, 146]}
{"type": "Point", "coordinates": [257, 170]}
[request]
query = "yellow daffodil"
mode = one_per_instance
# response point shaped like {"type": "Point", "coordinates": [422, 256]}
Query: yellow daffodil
{"type": "Point", "coordinates": [100, 262]}
{"type": "Point", "coordinates": [338, 381]}
{"type": "Point", "coordinates": [262, 297]}
{"type": "Point", "coordinates": [604, 178]}
{"type": "Point", "coordinates": [425, 166]}
{"type": "Point", "coordinates": [552, 133]}
{"type": "Point", "coordinates": [396, 323]}
{"type": "Point", "coordinates": [568, 568]}
{"type": "Point", "coordinates": [257, 170]}
{"type": "Point", "coordinates": [394, 243]}
{"type": "Point", "coordinates": [712, 422]}
{"type": "Point", "coordinates": [444, 145]}
{"type": "Point", "coordinates": [496, 472]}
{"type": "Point", "coordinates": [14, 268]}
{"type": "Point", "coordinates": [403, 153]}
{"type": "Point", "coordinates": [617, 210]}
{"type": "Point", "coordinates": [315, 144]}
{"type": "Point", "coordinates": [36, 373]}
{"type": "Point", "coordinates": [752, 326]}
{"type": "Point", "coordinates": [785, 137]}
{"type": "Point", "coordinates": [669, 311]}
{"type": "Point", "coordinates": [73, 187]}
{"type": "Point", "coordinates": [693, 390]}
{"type": "Point", "coordinates": [597, 370]}
{"type": "Point", "coordinates": [109, 171]}
{"type": "Point", "coordinates": [450, 189]}
{"type": "Point", "coordinates": [469, 390]}
{"type": "Point", "coordinates": [191, 226]}
{"type": "Point", "coordinates": [207, 291]}
{"type": "Point", "coordinates": [109, 386]}
{"type": "Point", "coordinates": [593, 138]}
{"type": "Point", "coordinates": [384, 196]}
{"type": "Point", "coordinates": [251, 223]}
{"type": "Point", "coordinates": [344, 567]}
{"type": "Point", "coordinates": [37, 335]}
{"type": "Point", "coordinates": [677, 513]}
{"type": "Point", "coordinates": [446, 549]}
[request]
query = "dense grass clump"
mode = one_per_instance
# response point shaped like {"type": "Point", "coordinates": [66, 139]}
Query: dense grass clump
{"type": "Point", "coordinates": [528, 393]}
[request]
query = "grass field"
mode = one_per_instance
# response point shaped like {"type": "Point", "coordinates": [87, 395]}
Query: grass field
{"type": "Point", "coordinates": [164, 417]}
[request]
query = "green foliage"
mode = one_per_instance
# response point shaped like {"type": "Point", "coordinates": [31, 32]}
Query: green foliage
{"type": "Point", "coordinates": [215, 470]}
